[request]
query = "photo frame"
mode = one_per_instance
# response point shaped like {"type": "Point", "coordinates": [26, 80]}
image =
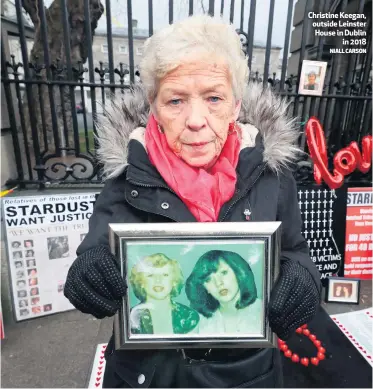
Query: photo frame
{"type": "Point", "coordinates": [195, 285]}
{"type": "Point", "coordinates": [312, 78]}
{"type": "Point", "coordinates": [342, 290]}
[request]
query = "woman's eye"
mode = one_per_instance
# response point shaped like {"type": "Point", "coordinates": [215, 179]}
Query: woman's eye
{"type": "Point", "coordinates": [224, 272]}
{"type": "Point", "coordinates": [175, 102]}
{"type": "Point", "coordinates": [165, 274]}
{"type": "Point", "coordinates": [214, 99]}
{"type": "Point", "coordinates": [208, 279]}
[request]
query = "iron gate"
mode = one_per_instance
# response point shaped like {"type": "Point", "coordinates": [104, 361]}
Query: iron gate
{"type": "Point", "coordinates": [51, 98]}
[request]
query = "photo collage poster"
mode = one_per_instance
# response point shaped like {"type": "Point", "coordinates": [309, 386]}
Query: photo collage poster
{"type": "Point", "coordinates": [43, 234]}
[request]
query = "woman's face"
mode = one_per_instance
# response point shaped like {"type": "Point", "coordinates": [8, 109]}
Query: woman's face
{"type": "Point", "coordinates": [194, 107]}
{"type": "Point", "coordinates": [222, 285]}
{"type": "Point", "coordinates": [158, 282]}
{"type": "Point", "coordinates": [338, 291]}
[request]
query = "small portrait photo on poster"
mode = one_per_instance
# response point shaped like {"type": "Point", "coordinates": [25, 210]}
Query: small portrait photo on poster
{"type": "Point", "coordinates": [22, 303]}
{"type": "Point", "coordinates": [343, 290]}
{"type": "Point", "coordinates": [58, 247]}
{"type": "Point", "coordinates": [30, 253]}
{"type": "Point", "coordinates": [17, 254]}
{"type": "Point", "coordinates": [36, 309]}
{"type": "Point", "coordinates": [22, 294]}
{"type": "Point", "coordinates": [31, 262]}
{"type": "Point", "coordinates": [18, 264]}
{"type": "Point", "coordinates": [21, 284]}
{"type": "Point", "coordinates": [32, 272]}
{"type": "Point", "coordinates": [16, 244]}
{"type": "Point", "coordinates": [34, 291]}
{"type": "Point", "coordinates": [24, 312]}
{"type": "Point", "coordinates": [312, 78]}
{"type": "Point", "coordinates": [28, 243]}
{"type": "Point", "coordinates": [47, 307]}
{"type": "Point", "coordinates": [20, 274]}
{"type": "Point", "coordinates": [32, 281]}
{"type": "Point", "coordinates": [35, 300]}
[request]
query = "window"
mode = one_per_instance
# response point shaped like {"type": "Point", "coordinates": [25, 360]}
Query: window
{"type": "Point", "coordinates": [140, 51]}
{"type": "Point", "coordinates": [123, 49]}
{"type": "Point", "coordinates": [104, 48]}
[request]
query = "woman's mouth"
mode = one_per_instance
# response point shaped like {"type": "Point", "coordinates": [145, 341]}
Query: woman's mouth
{"type": "Point", "coordinates": [223, 292]}
{"type": "Point", "coordinates": [158, 289]}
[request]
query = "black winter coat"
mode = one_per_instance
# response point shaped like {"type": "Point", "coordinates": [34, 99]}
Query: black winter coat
{"type": "Point", "coordinates": [135, 193]}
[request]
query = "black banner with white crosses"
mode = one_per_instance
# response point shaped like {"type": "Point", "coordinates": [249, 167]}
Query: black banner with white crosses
{"type": "Point", "coordinates": [324, 226]}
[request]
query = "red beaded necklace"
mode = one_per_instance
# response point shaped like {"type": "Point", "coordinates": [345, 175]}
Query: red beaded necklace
{"type": "Point", "coordinates": [303, 330]}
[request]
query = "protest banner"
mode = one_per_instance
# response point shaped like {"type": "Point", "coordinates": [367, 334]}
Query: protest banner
{"type": "Point", "coordinates": [42, 234]}
{"type": "Point", "coordinates": [359, 240]}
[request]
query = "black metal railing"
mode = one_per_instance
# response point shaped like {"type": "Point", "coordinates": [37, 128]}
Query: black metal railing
{"type": "Point", "coordinates": [52, 95]}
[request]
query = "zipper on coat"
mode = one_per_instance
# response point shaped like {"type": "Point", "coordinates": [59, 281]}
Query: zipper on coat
{"type": "Point", "coordinates": [243, 195]}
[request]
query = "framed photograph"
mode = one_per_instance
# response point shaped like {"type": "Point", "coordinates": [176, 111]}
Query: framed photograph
{"type": "Point", "coordinates": [342, 290]}
{"type": "Point", "coordinates": [200, 285]}
{"type": "Point", "coordinates": [312, 78]}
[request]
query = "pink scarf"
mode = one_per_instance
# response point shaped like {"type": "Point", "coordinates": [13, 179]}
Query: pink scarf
{"type": "Point", "coordinates": [203, 191]}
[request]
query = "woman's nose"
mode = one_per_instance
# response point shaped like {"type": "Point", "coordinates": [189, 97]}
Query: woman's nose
{"type": "Point", "coordinates": [196, 118]}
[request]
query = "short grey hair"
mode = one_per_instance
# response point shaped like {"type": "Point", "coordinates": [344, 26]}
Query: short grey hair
{"type": "Point", "coordinates": [199, 34]}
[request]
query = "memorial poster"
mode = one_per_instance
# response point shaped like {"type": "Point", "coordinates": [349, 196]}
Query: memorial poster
{"type": "Point", "coordinates": [42, 234]}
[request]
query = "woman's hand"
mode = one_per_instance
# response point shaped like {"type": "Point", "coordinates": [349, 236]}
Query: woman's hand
{"type": "Point", "coordinates": [94, 284]}
{"type": "Point", "coordinates": [294, 300]}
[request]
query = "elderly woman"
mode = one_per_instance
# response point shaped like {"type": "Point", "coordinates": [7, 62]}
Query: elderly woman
{"type": "Point", "coordinates": [196, 143]}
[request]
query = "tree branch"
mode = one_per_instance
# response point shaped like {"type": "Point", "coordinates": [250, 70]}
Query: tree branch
{"type": "Point", "coordinates": [31, 7]}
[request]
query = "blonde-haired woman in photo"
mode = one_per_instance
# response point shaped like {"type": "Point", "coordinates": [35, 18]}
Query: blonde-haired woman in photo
{"type": "Point", "coordinates": [196, 142]}
{"type": "Point", "coordinates": [156, 280]}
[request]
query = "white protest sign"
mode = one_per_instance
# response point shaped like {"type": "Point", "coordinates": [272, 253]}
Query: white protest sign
{"type": "Point", "coordinates": [43, 233]}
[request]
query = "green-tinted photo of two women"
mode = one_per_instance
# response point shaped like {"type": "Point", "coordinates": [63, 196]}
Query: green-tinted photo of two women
{"type": "Point", "coordinates": [196, 288]}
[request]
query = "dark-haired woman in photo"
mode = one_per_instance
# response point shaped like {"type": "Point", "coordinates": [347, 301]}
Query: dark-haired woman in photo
{"type": "Point", "coordinates": [222, 289]}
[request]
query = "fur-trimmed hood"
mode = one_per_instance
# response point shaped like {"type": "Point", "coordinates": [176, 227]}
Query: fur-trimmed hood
{"type": "Point", "coordinates": [126, 118]}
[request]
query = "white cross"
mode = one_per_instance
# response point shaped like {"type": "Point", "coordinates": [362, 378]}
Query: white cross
{"type": "Point", "coordinates": [330, 222]}
{"type": "Point", "coordinates": [305, 213]}
{"type": "Point", "coordinates": [330, 231]}
{"type": "Point", "coordinates": [325, 192]}
{"type": "Point", "coordinates": [321, 240]}
{"type": "Point", "coordinates": [311, 233]}
{"type": "Point", "coordinates": [325, 202]}
{"type": "Point", "coordinates": [330, 250]}
{"type": "Point", "coordinates": [318, 252]}
{"type": "Point", "coordinates": [331, 202]}
{"type": "Point", "coordinates": [312, 193]}
{"type": "Point", "coordinates": [324, 250]}
{"type": "Point", "coordinates": [306, 233]}
{"type": "Point", "coordinates": [324, 212]}
{"type": "Point", "coordinates": [324, 222]}
{"type": "Point", "coordinates": [312, 223]}
{"type": "Point", "coordinates": [318, 233]}
{"type": "Point", "coordinates": [309, 242]}
{"type": "Point", "coordinates": [311, 251]}
{"type": "Point", "coordinates": [312, 203]}
{"type": "Point", "coordinates": [300, 204]}
{"type": "Point", "coordinates": [318, 213]}
{"type": "Point", "coordinates": [318, 223]}
{"type": "Point", "coordinates": [318, 193]}
{"type": "Point", "coordinates": [327, 241]}
{"type": "Point", "coordinates": [318, 203]}
{"type": "Point", "coordinates": [306, 203]}
{"type": "Point", "coordinates": [306, 193]}
{"type": "Point", "coordinates": [300, 194]}
{"type": "Point", "coordinates": [306, 223]}
{"type": "Point", "coordinates": [314, 242]}
{"type": "Point", "coordinates": [330, 212]}
{"type": "Point", "coordinates": [312, 213]}
{"type": "Point", "coordinates": [323, 232]}
{"type": "Point", "coordinates": [332, 193]}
